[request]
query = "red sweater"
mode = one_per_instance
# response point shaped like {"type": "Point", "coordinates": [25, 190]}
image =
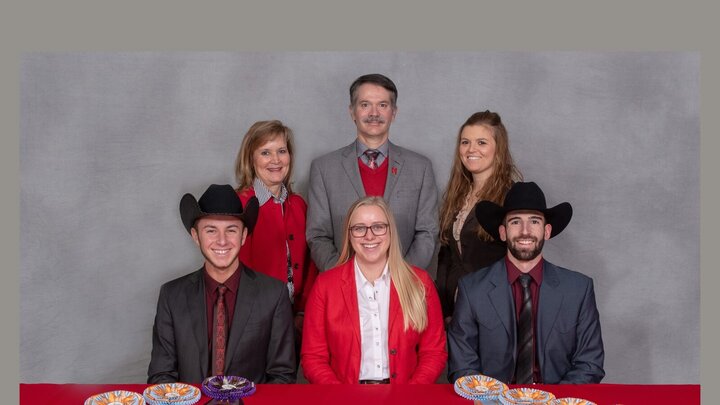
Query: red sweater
{"type": "Point", "coordinates": [264, 249]}
{"type": "Point", "coordinates": [374, 180]}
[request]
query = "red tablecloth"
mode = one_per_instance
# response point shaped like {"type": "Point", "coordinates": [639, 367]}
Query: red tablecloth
{"type": "Point", "coordinates": [298, 394]}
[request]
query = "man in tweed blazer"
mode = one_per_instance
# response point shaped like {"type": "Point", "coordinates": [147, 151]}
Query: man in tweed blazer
{"type": "Point", "coordinates": [372, 165]}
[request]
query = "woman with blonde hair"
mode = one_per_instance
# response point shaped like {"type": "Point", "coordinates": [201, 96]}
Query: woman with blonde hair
{"type": "Point", "coordinates": [483, 169]}
{"type": "Point", "coordinates": [277, 246]}
{"type": "Point", "coordinates": [373, 319]}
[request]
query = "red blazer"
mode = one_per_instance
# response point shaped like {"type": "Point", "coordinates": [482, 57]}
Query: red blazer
{"type": "Point", "coordinates": [264, 249]}
{"type": "Point", "coordinates": [331, 333]}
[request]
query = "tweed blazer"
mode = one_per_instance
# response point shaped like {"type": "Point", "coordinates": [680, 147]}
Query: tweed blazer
{"type": "Point", "coordinates": [410, 191]}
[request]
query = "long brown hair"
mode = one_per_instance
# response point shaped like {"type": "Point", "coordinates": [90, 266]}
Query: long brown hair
{"type": "Point", "coordinates": [504, 174]}
{"type": "Point", "coordinates": [408, 285]}
{"type": "Point", "coordinates": [258, 134]}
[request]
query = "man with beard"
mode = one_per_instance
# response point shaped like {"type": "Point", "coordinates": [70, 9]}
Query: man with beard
{"type": "Point", "coordinates": [224, 319]}
{"type": "Point", "coordinates": [523, 320]}
{"type": "Point", "coordinates": [372, 165]}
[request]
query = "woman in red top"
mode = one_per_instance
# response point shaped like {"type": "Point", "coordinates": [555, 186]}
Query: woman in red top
{"type": "Point", "coordinates": [276, 247]}
{"type": "Point", "coordinates": [374, 318]}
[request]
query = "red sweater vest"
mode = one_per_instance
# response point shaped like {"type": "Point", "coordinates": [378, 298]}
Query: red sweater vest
{"type": "Point", "coordinates": [374, 180]}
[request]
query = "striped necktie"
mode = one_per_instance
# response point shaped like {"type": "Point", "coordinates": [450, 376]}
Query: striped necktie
{"type": "Point", "coordinates": [372, 155]}
{"type": "Point", "coordinates": [524, 367]}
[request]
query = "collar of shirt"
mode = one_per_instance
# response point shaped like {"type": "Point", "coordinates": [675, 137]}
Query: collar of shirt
{"type": "Point", "coordinates": [232, 283]}
{"type": "Point", "coordinates": [513, 272]}
{"type": "Point", "coordinates": [360, 149]}
{"type": "Point", "coordinates": [264, 195]}
{"type": "Point", "coordinates": [361, 281]}
{"type": "Point", "coordinates": [211, 294]}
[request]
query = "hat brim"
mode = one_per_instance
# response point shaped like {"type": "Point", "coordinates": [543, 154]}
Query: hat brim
{"type": "Point", "coordinates": [559, 217]}
{"type": "Point", "coordinates": [190, 212]}
{"type": "Point", "coordinates": [490, 216]}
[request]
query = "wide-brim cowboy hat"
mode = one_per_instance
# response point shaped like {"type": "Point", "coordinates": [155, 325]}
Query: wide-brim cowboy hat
{"type": "Point", "coordinates": [218, 200]}
{"type": "Point", "coordinates": [522, 196]}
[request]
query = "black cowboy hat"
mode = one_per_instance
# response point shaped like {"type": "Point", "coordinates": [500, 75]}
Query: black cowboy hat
{"type": "Point", "coordinates": [522, 196]}
{"type": "Point", "coordinates": [218, 200]}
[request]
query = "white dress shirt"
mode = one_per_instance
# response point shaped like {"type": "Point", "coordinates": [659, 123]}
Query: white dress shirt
{"type": "Point", "coordinates": [374, 307]}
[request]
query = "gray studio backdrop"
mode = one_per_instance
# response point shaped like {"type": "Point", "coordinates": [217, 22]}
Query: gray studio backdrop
{"type": "Point", "coordinates": [111, 141]}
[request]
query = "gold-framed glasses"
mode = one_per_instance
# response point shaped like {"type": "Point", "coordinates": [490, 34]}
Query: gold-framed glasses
{"type": "Point", "coordinates": [378, 229]}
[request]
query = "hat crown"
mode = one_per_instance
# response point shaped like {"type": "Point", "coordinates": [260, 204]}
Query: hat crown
{"type": "Point", "coordinates": [220, 199]}
{"type": "Point", "coordinates": [522, 197]}
{"type": "Point", "coordinates": [525, 196]}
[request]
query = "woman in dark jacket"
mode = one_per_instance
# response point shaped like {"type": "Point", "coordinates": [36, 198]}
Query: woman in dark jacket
{"type": "Point", "coordinates": [483, 169]}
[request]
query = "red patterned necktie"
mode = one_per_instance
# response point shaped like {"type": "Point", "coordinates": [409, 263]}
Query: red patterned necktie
{"type": "Point", "coordinates": [219, 333]}
{"type": "Point", "coordinates": [372, 155]}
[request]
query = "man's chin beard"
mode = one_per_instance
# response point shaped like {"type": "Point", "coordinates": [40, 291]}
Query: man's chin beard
{"type": "Point", "coordinates": [526, 255]}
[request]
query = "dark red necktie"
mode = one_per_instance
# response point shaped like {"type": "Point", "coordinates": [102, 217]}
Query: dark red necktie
{"type": "Point", "coordinates": [219, 333]}
{"type": "Point", "coordinates": [372, 155]}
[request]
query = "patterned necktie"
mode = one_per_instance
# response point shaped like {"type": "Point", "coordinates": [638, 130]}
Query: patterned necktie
{"type": "Point", "coordinates": [372, 155]}
{"type": "Point", "coordinates": [524, 367]}
{"type": "Point", "coordinates": [219, 333]}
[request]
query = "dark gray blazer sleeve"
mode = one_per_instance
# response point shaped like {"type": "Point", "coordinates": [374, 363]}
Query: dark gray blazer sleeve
{"type": "Point", "coordinates": [587, 360]}
{"type": "Point", "coordinates": [463, 338]}
{"type": "Point", "coordinates": [280, 365]}
{"type": "Point", "coordinates": [163, 359]}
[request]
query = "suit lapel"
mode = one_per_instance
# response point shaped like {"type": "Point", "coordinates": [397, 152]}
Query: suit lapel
{"type": "Point", "coordinates": [549, 304]}
{"type": "Point", "coordinates": [394, 168]}
{"type": "Point", "coordinates": [349, 293]}
{"type": "Point", "coordinates": [470, 224]}
{"type": "Point", "coordinates": [195, 295]}
{"type": "Point", "coordinates": [350, 164]}
{"type": "Point", "coordinates": [501, 299]}
{"type": "Point", "coordinates": [247, 295]}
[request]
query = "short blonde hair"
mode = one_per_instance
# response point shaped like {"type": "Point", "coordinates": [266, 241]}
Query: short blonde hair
{"type": "Point", "coordinates": [258, 134]}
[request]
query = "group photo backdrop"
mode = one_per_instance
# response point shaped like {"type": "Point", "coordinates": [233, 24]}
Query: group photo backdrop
{"type": "Point", "coordinates": [109, 143]}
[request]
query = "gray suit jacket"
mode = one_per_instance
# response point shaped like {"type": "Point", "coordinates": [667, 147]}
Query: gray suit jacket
{"type": "Point", "coordinates": [410, 190]}
{"type": "Point", "coordinates": [482, 336]}
{"type": "Point", "coordinates": [260, 346]}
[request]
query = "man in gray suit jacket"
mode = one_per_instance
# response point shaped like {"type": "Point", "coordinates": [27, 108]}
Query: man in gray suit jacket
{"type": "Point", "coordinates": [372, 165]}
{"type": "Point", "coordinates": [523, 292]}
{"type": "Point", "coordinates": [224, 318]}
